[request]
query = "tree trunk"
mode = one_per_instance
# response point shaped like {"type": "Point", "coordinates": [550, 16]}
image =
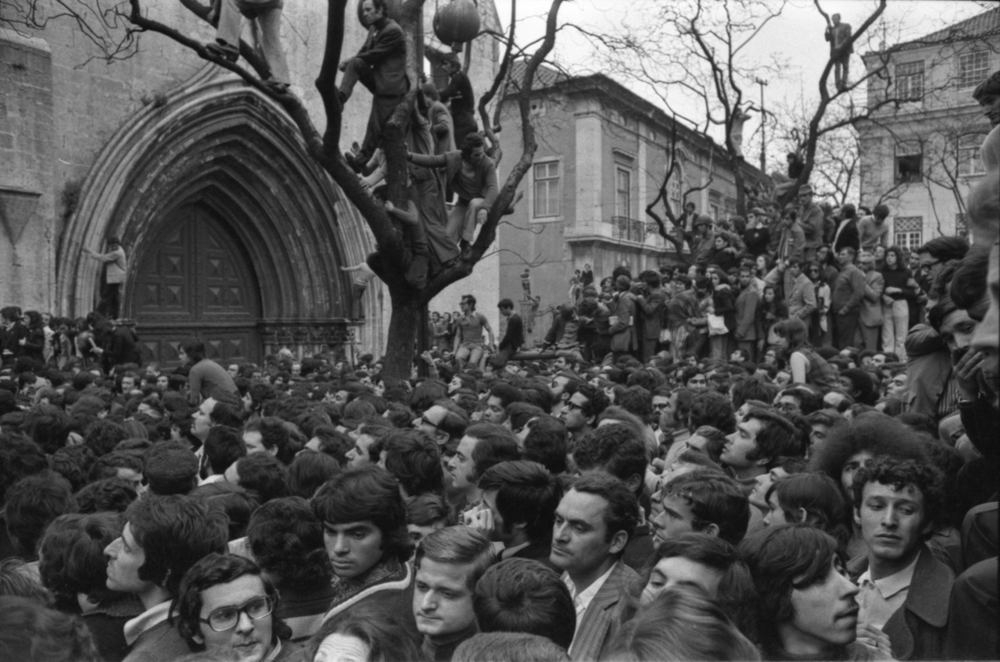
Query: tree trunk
{"type": "Point", "coordinates": [403, 326]}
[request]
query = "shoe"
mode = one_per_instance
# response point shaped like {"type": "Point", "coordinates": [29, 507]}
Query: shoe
{"type": "Point", "coordinates": [342, 98]}
{"type": "Point", "coordinates": [276, 87]}
{"type": "Point", "coordinates": [224, 51]}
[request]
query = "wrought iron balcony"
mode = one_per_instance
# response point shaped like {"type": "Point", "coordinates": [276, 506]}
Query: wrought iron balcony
{"type": "Point", "coordinates": [631, 229]}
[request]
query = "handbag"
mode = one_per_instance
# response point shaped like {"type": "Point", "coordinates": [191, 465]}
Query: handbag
{"type": "Point", "coordinates": [717, 325]}
{"type": "Point", "coordinates": [665, 335]}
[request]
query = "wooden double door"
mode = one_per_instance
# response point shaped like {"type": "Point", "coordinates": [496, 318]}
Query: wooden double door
{"type": "Point", "coordinates": [195, 279]}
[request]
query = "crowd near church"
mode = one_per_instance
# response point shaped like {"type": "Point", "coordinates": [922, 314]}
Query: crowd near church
{"type": "Point", "coordinates": [785, 450]}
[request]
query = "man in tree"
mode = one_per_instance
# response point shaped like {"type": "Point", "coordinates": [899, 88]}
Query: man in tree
{"type": "Point", "coordinates": [838, 35]}
{"type": "Point", "coordinates": [380, 66]}
{"type": "Point", "coordinates": [473, 176]}
{"type": "Point", "coordinates": [267, 15]}
{"type": "Point", "coordinates": [463, 102]}
{"type": "Point", "coordinates": [442, 124]}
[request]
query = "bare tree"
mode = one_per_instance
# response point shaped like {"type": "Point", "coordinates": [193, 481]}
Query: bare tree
{"type": "Point", "coordinates": [697, 47]}
{"type": "Point", "coordinates": [115, 29]}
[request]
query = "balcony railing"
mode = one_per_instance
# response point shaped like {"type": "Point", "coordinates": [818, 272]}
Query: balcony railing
{"type": "Point", "coordinates": [631, 229]}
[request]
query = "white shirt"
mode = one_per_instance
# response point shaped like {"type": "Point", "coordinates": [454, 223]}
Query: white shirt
{"type": "Point", "coordinates": [146, 620]}
{"type": "Point", "coordinates": [879, 599]}
{"type": "Point", "coordinates": [586, 596]}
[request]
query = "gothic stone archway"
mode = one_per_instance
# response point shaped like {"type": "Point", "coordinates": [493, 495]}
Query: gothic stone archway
{"type": "Point", "coordinates": [222, 148]}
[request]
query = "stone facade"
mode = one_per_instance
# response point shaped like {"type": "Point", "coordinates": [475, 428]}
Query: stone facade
{"type": "Point", "coordinates": [921, 156]}
{"type": "Point", "coordinates": [602, 152]}
{"type": "Point", "coordinates": [90, 148]}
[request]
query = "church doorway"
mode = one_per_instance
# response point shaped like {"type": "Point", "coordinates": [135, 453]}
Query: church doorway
{"type": "Point", "coordinates": [195, 279]}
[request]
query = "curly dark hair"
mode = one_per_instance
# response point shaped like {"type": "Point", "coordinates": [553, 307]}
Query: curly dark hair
{"type": "Point", "coordinates": [286, 539]}
{"type": "Point", "coordinates": [212, 570]}
{"type": "Point", "coordinates": [899, 473]}
{"type": "Point", "coordinates": [72, 557]}
{"type": "Point", "coordinates": [874, 433]}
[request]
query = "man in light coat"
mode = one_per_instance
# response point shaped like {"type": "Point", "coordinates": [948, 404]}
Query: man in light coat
{"type": "Point", "coordinates": [870, 321]}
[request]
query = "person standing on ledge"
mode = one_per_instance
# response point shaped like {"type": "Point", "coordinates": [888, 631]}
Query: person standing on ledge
{"type": "Point", "coordinates": [114, 277]}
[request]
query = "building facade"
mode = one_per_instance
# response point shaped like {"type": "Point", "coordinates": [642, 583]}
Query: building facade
{"type": "Point", "coordinates": [920, 152]}
{"type": "Point", "coordinates": [232, 232]}
{"type": "Point", "coordinates": [601, 158]}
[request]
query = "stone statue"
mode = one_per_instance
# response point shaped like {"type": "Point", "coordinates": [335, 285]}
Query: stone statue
{"type": "Point", "coordinates": [838, 35]}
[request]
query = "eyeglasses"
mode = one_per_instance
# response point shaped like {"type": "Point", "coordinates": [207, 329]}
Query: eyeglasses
{"type": "Point", "coordinates": [660, 406]}
{"type": "Point", "coordinates": [226, 618]}
{"type": "Point", "coordinates": [569, 406]}
{"type": "Point", "coordinates": [424, 419]}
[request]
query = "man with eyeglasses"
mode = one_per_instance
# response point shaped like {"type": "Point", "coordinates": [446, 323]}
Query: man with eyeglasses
{"type": "Point", "coordinates": [164, 536]}
{"type": "Point", "coordinates": [582, 409]}
{"type": "Point", "coordinates": [226, 608]}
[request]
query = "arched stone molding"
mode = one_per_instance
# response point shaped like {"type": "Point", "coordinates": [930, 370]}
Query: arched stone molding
{"type": "Point", "coordinates": [221, 144]}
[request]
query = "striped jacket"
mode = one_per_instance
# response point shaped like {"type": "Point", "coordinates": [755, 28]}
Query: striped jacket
{"type": "Point", "coordinates": [601, 621]}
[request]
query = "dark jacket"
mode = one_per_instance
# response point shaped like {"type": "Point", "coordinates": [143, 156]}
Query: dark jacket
{"type": "Point", "coordinates": [917, 629]}
{"type": "Point", "coordinates": [724, 303]}
{"type": "Point", "coordinates": [652, 312]}
{"type": "Point", "coordinates": [847, 236]}
{"type": "Point", "coordinates": [623, 336]}
{"type": "Point", "coordinates": [385, 52]}
{"type": "Point", "coordinates": [928, 367]}
{"type": "Point", "coordinates": [514, 336]}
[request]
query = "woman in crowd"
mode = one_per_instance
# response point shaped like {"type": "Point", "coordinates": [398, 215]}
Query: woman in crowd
{"type": "Point", "coordinates": [896, 296]}
{"type": "Point", "coordinates": [724, 306]}
{"type": "Point", "coordinates": [819, 330]}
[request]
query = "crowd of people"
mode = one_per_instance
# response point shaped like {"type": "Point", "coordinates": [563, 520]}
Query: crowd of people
{"type": "Point", "coordinates": [574, 503]}
{"type": "Point", "coordinates": [785, 452]}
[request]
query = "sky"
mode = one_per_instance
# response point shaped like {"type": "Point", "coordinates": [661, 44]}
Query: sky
{"type": "Point", "coordinates": [796, 37]}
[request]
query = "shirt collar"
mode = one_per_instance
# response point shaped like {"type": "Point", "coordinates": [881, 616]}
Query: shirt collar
{"type": "Point", "coordinates": [893, 584]}
{"type": "Point", "coordinates": [586, 596]}
{"type": "Point", "coordinates": [509, 552]}
{"type": "Point", "coordinates": [147, 620]}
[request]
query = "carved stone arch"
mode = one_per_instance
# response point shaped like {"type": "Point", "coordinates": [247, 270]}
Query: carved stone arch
{"type": "Point", "coordinates": [224, 147]}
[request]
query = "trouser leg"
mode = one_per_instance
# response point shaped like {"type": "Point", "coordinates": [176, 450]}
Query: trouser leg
{"type": "Point", "coordinates": [270, 29]}
{"type": "Point", "coordinates": [230, 23]}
